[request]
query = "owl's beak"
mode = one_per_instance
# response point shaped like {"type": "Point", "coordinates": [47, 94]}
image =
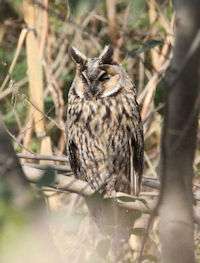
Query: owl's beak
{"type": "Point", "coordinates": [92, 85]}
{"type": "Point", "coordinates": [93, 88]}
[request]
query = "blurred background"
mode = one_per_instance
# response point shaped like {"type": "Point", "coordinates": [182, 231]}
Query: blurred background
{"type": "Point", "coordinates": [36, 73]}
{"type": "Point", "coordinates": [140, 31]}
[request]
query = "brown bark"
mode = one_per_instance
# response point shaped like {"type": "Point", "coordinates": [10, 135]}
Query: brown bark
{"type": "Point", "coordinates": [36, 227]}
{"type": "Point", "coordinates": [179, 139]}
{"type": "Point", "coordinates": [10, 168]}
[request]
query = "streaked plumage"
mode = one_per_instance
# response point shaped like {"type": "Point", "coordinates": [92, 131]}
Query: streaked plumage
{"type": "Point", "coordinates": [104, 129]}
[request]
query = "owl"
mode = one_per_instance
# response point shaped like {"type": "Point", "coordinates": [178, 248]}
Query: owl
{"type": "Point", "coordinates": [104, 128]}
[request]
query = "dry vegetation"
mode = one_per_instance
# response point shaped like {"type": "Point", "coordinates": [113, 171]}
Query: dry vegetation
{"type": "Point", "coordinates": [35, 40]}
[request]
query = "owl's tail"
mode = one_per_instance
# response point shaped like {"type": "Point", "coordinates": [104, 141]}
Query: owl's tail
{"type": "Point", "coordinates": [113, 221]}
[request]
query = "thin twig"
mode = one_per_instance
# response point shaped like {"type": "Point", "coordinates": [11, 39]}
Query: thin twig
{"type": "Point", "coordinates": [151, 184]}
{"type": "Point", "coordinates": [17, 52]}
{"type": "Point", "coordinates": [45, 115]}
{"type": "Point", "coordinates": [63, 168]}
{"type": "Point", "coordinates": [18, 84]}
{"type": "Point", "coordinates": [43, 157]}
{"type": "Point", "coordinates": [150, 164]}
{"type": "Point", "coordinates": [17, 141]}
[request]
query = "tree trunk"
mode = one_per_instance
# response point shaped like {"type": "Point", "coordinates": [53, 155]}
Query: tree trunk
{"type": "Point", "coordinates": [179, 138]}
{"type": "Point", "coordinates": [10, 169]}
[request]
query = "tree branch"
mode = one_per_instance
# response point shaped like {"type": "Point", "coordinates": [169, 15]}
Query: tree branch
{"type": "Point", "coordinates": [179, 138]}
{"type": "Point", "coordinates": [70, 184]}
{"type": "Point", "coordinates": [42, 157]}
{"type": "Point", "coordinates": [67, 183]}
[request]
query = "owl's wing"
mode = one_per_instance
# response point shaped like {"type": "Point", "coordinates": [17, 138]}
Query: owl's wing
{"type": "Point", "coordinates": [136, 165]}
{"type": "Point", "coordinates": [73, 157]}
{"type": "Point", "coordinates": [137, 151]}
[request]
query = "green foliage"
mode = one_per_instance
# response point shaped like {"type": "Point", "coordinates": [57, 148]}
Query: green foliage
{"type": "Point", "coordinates": [9, 116]}
{"type": "Point", "coordinates": [127, 198]}
{"type": "Point", "coordinates": [56, 24]}
{"type": "Point", "coordinates": [34, 145]}
{"type": "Point", "coordinates": [138, 10]}
{"type": "Point", "coordinates": [150, 258]}
{"type": "Point", "coordinates": [12, 220]}
{"type": "Point", "coordinates": [159, 98]}
{"type": "Point", "coordinates": [67, 78]}
{"type": "Point", "coordinates": [6, 56]}
{"type": "Point", "coordinates": [15, 98]}
{"type": "Point", "coordinates": [47, 178]}
{"type": "Point", "coordinates": [16, 5]}
{"type": "Point", "coordinates": [69, 223]}
{"type": "Point", "coordinates": [20, 68]}
{"type": "Point", "coordinates": [138, 231]}
{"type": "Point", "coordinates": [5, 191]}
{"type": "Point", "coordinates": [149, 45]}
{"type": "Point", "coordinates": [12, 224]}
{"type": "Point", "coordinates": [94, 200]}
{"type": "Point", "coordinates": [169, 11]}
{"type": "Point", "coordinates": [81, 7]}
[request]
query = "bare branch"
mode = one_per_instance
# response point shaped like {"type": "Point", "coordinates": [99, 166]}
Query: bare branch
{"type": "Point", "coordinates": [42, 157]}
{"type": "Point", "coordinates": [64, 168]}
{"type": "Point", "coordinates": [70, 184]}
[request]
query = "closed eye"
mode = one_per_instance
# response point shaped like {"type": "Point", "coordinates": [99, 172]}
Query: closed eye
{"type": "Point", "coordinates": [84, 75]}
{"type": "Point", "coordinates": [104, 77]}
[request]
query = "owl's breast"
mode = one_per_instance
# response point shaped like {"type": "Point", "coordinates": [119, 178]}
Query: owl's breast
{"type": "Point", "coordinates": [100, 130]}
{"type": "Point", "coordinates": [101, 117]}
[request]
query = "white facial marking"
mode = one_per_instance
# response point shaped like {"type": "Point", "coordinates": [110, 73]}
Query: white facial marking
{"type": "Point", "coordinates": [111, 91]}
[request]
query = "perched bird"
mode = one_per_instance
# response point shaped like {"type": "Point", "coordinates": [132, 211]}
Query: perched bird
{"type": "Point", "coordinates": [104, 128]}
{"type": "Point", "coordinates": [105, 136]}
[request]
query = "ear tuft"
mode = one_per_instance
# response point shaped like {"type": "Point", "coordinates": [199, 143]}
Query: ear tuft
{"type": "Point", "coordinates": [106, 55]}
{"type": "Point", "coordinates": [77, 56]}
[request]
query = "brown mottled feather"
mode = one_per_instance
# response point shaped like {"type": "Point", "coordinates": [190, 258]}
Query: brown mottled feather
{"type": "Point", "coordinates": [104, 129]}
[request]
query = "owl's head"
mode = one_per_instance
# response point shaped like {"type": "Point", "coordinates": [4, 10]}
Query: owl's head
{"type": "Point", "coordinates": [96, 77]}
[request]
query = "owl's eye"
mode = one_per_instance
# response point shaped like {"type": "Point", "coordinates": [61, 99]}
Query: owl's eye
{"type": "Point", "coordinates": [104, 77]}
{"type": "Point", "coordinates": [84, 75]}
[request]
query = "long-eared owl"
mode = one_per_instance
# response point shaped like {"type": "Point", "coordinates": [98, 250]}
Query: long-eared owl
{"type": "Point", "coordinates": [104, 128]}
